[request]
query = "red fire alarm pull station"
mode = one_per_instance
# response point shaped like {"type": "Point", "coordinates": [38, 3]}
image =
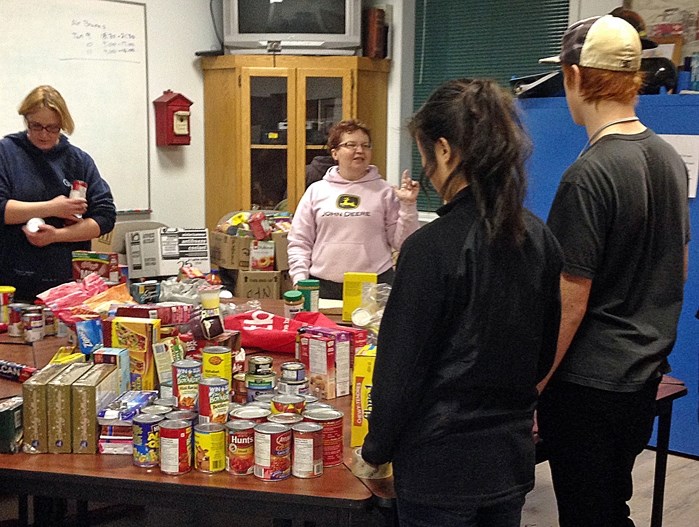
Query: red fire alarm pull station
{"type": "Point", "coordinates": [172, 119]}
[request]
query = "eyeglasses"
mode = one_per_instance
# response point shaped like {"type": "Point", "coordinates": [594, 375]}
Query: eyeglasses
{"type": "Point", "coordinates": [37, 127]}
{"type": "Point", "coordinates": [354, 146]}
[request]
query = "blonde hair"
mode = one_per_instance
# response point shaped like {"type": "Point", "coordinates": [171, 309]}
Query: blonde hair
{"type": "Point", "coordinates": [47, 97]}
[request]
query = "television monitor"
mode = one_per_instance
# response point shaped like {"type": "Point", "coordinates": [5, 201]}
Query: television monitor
{"type": "Point", "coordinates": [298, 27]}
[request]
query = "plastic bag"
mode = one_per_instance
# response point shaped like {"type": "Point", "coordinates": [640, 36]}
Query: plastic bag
{"type": "Point", "coordinates": [265, 331]}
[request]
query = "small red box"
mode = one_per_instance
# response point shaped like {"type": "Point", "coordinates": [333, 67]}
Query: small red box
{"type": "Point", "coordinates": [105, 265]}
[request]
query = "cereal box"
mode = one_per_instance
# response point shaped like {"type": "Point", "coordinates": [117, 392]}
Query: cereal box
{"type": "Point", "coordinates": [59, 407]}
{"type": "Point", "coordinates": [35, 408]}
{"type": "Point", "coordinates": [91, 392]}
{"type": "Point", "coordinates": [361, 394]}
{"type": "Point", "coordinates": [138, 335]}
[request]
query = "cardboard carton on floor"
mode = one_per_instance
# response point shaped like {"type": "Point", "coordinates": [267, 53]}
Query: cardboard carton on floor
{"type": "Point", "coordinates": [258, 284]}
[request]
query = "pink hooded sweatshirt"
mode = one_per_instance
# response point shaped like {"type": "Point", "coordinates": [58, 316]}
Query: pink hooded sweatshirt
{"type": "Point", "coordinates": [348, 226]}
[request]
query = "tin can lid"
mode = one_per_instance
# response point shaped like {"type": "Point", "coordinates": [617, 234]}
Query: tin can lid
{"type": "Point", "coordinates": [240, 424]}
{"type": "Point", "coordinates": [216, 349]}
{"type": "Point", "coordinates": [208, 428]}
{"type": "Point", "coordinates": [323, 414]}
{"type": "Point", "coordinates": [271, 428]}
{"type": "Point", "coordinates": [187, 363]}
{"type": "Point", "coordinates": [307, 426]}
{"type": "Point", "coordinates": [285, 418]}
{"type": "Point", "coordinates": [157, 409]}
{"type": "Point", "coordinates": [175, 423]}
{"type": "Point", "coordinates": [147, 419]}
{"type": "Point", "coordinates": [288, 398]}
{"type": "Point", "coordinates": [250, 412]}
{"type": "Point", "coordinates": [188, 415]}
{"type": "Point", "coordinates": [213, 381]}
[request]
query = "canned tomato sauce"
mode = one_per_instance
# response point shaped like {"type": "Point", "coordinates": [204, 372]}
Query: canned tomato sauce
{"type": "Point", "coordinates": [15, 310]}
{"type": "Point", "coordinates": [213, 400]}
{"type": "Point", "coordinates": [331, 420]}
{"type": "Point", "coordinates": [209, 447]}
{"type": "Point", "coordinates": [146, 440]}
{"type": "Point", "coordinates": [272, 451]}
{"type": "Point", "coordinates": [175, 446]}
{"type": "Point", "coordinates": [240, 447]}
{"type": "Point", "coordinates": [307, 458]}
{"type": "Point", "coordinates": [186, 374]}
{"type": "Point", "coordinates": [32, 326]}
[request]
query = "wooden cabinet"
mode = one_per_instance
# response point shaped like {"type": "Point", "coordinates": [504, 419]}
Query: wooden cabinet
{"type": "Point", "coordinates": [267, 117]}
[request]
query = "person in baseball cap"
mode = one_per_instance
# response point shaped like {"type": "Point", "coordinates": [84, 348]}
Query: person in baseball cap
{"type": "Point", "coordinates": [620, 215]}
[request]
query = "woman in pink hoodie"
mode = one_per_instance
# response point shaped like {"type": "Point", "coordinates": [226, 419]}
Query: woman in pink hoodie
{"type": "Point", "coordinates": [351, 220]}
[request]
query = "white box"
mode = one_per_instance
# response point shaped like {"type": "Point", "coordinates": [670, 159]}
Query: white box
{"type": "Point", "coordinates": [162, 252]}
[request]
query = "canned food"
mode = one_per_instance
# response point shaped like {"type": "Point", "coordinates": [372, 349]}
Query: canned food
{"type": "Point", "coordinates": [285, 419]}
{"type": "Point", "coordinates": [310, 399]}
{"type": "Point", "coordinates": [240, 443]}
{"type": "Point", "coordinates": [185, 383]}
{"type": "Point", "coordinates": [156, 409]}
{"type": "Point", "coordinates": [209, 447]}
{"type": "Point", "coordinates": [213, 400]}
{"type": "Point", "coordinates": [251, 413]}
{"type": "Point", "coordinates": [264, 397]}
{"type": "Point", "coordinates": [272, 451]}
{"type": "Point", "coordinates": [285, 403]}
{"type": "Point", "coordinates": [166, 391]}
{"type": "Point", "coordinates": [259, 365]}
{"type": "Point", "coordinates": [15, 310]}
{"type": "Point", "coordinates": [146, 439]}
{"type": "Point", "coordinates": [50, 322]}
{"type": "Point", "coordinates": [331, 420]}
{"type": "Point", "coordinates": [217, 361]}
{"type": "Point", "coordinates": [259, 384]}
{"type": "Point", "coordinates": [293, 387]}
{"type": "Point", "coordinates": [293, 371]}
{"type": "Point", "coordinates": [165, 401]}
{"type": "Point", "coordinates": [240, 391]}
{"type": "Point", "coordinates": [318, 406]}
{"type": "Point", "coordinates": [7, 296]}
{"type": "Point", "coordinates": [267, 405]}
{"type": "Point", "coordinates": [175, 446]}
{"type": "Point", "coordinates": [32, 326]}
{"type": "Point", "coordinates": [307, 450]}
{"type": "Point", "coordinates": [310, 288]}
{"type": "Point", "coordinates": [190, 416]}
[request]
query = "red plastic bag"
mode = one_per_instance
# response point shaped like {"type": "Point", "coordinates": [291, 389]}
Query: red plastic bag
{"type": "Point", "coordinates": [314, 318]}
{"type": "Point", "coordinates": [265, 331]}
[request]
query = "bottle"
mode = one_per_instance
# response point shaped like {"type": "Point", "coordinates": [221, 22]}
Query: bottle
{"type": "Point", "coordinates": [310, 288]}
{"type": "Point", "coordinates": [293, 303]}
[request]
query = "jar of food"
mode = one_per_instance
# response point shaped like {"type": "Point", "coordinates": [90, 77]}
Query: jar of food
{"type": "Point", "coordinates": [293, 303]}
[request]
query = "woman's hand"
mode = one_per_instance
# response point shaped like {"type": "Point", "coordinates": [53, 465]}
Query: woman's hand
{"type": "Point", "coordinates": [407, 192]}
{"type": "Point", "coordinates": [67, 208]}
{"type": "Point", "coordinates": [46, 235]}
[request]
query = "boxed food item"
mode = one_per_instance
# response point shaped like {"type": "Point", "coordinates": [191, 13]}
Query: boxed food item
{"type": "Point", "coordinates": [281, 256]}
{"type": "Point", "coordinates": [115, 419]}
{"type": "Point", "coordinates": [258, 284]}
{"type": "Point", "coordinates": [89, 334]}
{"type": "Point", "coordinates": [103, 264]}
{"type": "Point", "coordinates": [35, 421]}
{"type": "Point", "coordinates": [10, 425]}
{"type": "Point", "coordinates": [138, 335]}
{"type": "Point", "coordinates": [165, 352]}
{"type": "Point", "coordinates": [91, 392]}
{"type": "Point", "coordinates": [230, 251]}
{"type": "Point", "coordinates": [318, 355]}
{"type": "Point", "coordinates": [361, 394]}
{"type": "Point", "coordinates": [352, 290]}
{"type": "Point", "coordinates": [169, 313]}
{"type": "Point", "coordinates": [161, 252]}
{"type": "Point", "coordinates": [342, 345]}
{"type": "Point", "coordinates": [262, 255]}
{"type": "Point", "coordinates": [59, 407]}
{"type": "Point", "coordinates": [119, 357]}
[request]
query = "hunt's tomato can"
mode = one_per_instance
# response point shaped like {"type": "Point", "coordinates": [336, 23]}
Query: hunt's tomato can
{"type": "Point", "coordinates": [272, 451]}
{"type": "Point", "coordinates": [286, 403]}
{"type": "Point", "coordinates": [146, 440]}
{"type": "Point", "coordinates": [331, 420]}
{"type": "Point", "coordinates": [307, 456]}
{"type": "Point", "coordinates": [210, 447]}
{"type": "Point", "coordinates": [240, 447]}
{"type": "Point", "coordinates": [186, 374]}
{"type": "Point", "coordinates": [217, 361]}
{"type": "Point", "coordinates": [213, 400]}
{"type": "Point", "coordinates": [175, 446]}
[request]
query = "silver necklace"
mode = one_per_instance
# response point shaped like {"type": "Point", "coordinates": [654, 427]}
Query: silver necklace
{"type": "Point", "coordinates": [604, 127]}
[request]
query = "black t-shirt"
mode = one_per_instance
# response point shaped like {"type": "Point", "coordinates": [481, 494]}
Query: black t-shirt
{"type": "Point", "coordinates": [621, 217]}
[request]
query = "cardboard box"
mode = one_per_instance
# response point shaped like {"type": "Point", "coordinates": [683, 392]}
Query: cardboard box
{"type": "Point", "coordinates": [104, 264]}
{"type": "Point", "coordinates": [258, 284]}
{"type": "Point", "coordinates": [230, 252]}
{"type": "Point", "coordinates": [161, 252]}
{"type": "Point", "coordinates": [92, 391]}
{"type": "Point", "coordinates": [363, 373]}
{"type": "Point", "coordinates": [281, 256]}
{"type": "Point", "coordinates": [34, 395]}
{"type": "Point", "coordinates": [343, 344]}
{"type": "Point", "coordinates": [165, 352]}
{"type": "Point", "coordinates": [119, 357]}
{"type": "Point", "coordinates": [138, 335]}
{"type": "Point", "coordinates": [318, 355]}
{"type": "Point", "coordinates": [59, 407]}
{"type": "Point", "coordinates": [10, 425]}
{"type": "Point", "coordinates": [169, 313]}
{"type": "Point", "coordinates": [352, 289]}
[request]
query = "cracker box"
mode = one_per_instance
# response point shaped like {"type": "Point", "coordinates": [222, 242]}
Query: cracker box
{"type": "Point", "coordinates": [343, 342]}
{"type": "Point", "coordinates": [34, 395]}
{"type": "Point", "coordinates": [352, 290]}
{"type": "Point", "coordinates": [258, 284]}
{"type": "Point", "coordinates": [318, 354]}
{"type": "Point", "coordinates": [361, 394]}
{"type": "Point", "coordinates": [10, 425]}
{"type": "Point", "coordinates": [105, 265]}
{"type": "Point", "coordinates": [59, 407]}
{"type": "Point", "coordinates": [92, 391]}
{"type": "Point", "coordinates": [359, 340]}
{"type": "Point", "coordinates": [138, 335]}
{"type": "Point", "coordinates": [119, 357]}
{"type": "Point", "coordinates": [162, 252]}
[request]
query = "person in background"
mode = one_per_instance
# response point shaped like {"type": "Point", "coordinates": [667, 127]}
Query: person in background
{"type": "Point", "coordinates": [37, 169]}
{"type": "Point", "coordinates": [317, 168]}
{"type": "Point", "coordinates": [471, 324]}
{"type": "Point", "coordinates": [351, 220]}
{"type": "Point", "coordinates": [621, 217]}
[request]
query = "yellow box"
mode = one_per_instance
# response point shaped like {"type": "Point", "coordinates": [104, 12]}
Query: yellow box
{"type": "Point", "coordinates": [35, 418]}
{"type": "Point", "coordinates": [352, 288]}
{"type": "Point", "coordinates": [138, 335]}
{"type": "Point", "coordinates": [361, 394]}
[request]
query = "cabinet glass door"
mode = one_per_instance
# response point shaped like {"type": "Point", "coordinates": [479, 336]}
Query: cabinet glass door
{"type": "Point", "coordinates": [266, 156]}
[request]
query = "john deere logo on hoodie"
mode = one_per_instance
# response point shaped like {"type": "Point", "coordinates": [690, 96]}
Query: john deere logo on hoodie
{"type": "Point", "coordinates": [347, 201]}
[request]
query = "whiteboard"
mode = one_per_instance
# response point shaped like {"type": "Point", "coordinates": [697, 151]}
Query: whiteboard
{"type": "Point", "coordinates": [94, 53]}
